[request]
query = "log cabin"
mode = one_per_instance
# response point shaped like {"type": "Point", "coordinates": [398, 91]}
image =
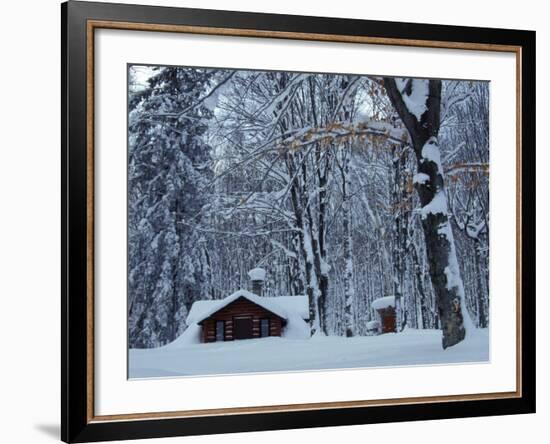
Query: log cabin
{"type": "Point", "coordinates": [245, 315]}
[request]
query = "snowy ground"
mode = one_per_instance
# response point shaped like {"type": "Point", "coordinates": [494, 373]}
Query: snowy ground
{"type": "Point", "coordinates": [412, 347]}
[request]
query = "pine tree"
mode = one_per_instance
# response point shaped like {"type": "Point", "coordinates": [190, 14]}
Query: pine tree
{"type": "Point", "coordinates": [167, 170]}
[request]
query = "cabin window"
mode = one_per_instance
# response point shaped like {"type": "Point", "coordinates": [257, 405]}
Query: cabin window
{"type": "Point", "coordinates": [264, 327]}
{"type": "Point", "coordinates": [220, 330]}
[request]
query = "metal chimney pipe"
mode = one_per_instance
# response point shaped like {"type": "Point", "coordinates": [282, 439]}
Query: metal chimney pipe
{"type": "Point", "coordinates": [257, 276]}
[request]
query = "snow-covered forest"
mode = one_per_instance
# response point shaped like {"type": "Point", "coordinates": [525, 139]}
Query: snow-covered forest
{"type": "Point", "coordinates": [344, 188]}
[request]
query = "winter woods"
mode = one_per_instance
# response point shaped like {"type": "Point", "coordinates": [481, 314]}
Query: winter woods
{"type": "Point", "coordinates": [344, 188]}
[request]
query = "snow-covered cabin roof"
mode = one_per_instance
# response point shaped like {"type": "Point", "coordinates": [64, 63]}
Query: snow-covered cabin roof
{"type": "Point", "coordinates": [385, 302]}
{"type": "Point", "coordinates": [257, 274]}
{"type": "Point", "coordinates": [283, 306]}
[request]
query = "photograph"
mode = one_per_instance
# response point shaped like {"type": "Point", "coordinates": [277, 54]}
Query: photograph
{"type": "Point", "coordinates": [282, 221]}
{"type": "Point", "coordinates": [232, 222]}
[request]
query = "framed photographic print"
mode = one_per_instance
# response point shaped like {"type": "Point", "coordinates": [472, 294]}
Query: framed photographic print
{"type": "Point", "coordinates": [276, 221]}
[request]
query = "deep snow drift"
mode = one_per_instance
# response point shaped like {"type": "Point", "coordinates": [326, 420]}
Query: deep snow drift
{"type": "Point", "coordinates": [411, 347]}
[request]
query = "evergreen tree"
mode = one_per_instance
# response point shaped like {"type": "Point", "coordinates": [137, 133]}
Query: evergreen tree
{"type": "Point", "coordinates": [167, 170]}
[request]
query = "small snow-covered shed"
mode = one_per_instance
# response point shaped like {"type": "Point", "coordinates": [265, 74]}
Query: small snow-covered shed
{"type": "Point", "coordinates": [245, 315]}
{"type": "Point", "coordinates": [385, 307]}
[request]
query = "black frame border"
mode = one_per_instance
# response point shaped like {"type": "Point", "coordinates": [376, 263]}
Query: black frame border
{"type": "Point", "coordinates": [75, 426]}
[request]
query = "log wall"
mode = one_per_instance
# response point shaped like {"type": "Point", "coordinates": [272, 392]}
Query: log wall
{"type": "Point", "coordinates": [240, 308]}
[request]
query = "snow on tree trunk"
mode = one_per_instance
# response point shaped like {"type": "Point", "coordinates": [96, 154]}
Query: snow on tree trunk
{"type": "Point", "coordinates": [418, 104]}
{"type": "Point", "coordinates": [312, 288]}
{"type": "Point", "coordinates": [419, 283]}
{"type": "Point", "coordinates": [397, 251]}
{"type": "Point", "coordinates": [482, 317]}
{"type": "Point", "coordinates": [349, 290]}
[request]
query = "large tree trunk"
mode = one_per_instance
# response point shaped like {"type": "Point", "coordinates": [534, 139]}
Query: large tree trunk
{"type": "Point", "coordinates": [419, 283]}
{"type": "Point", "coordinates": [418, 104]}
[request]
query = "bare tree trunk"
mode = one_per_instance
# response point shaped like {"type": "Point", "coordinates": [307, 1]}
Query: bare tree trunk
{"type": "Point", "coordinates": [423, 128]}
{"type": "Point", "coordinates": [349, 290]}
{"type": "Point", "coordinates": [397, 253]}
{"type": "Point", "coordinates": [306, 251]}
{"type": "Point", "coordinates": [482, 319]}
{"type": "Point", "coordinates": [318, 235]}
{"type": "Point", "coordinates": [420, 288]}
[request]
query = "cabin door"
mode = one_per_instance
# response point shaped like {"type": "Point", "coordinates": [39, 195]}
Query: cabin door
{"type": "Point", "coordinates": [388, 323]}
{"type": "Point", "coordinates": [242, 328]}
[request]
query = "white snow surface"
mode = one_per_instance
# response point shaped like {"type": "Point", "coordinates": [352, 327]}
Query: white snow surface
{"type": "Point", "coordinates": [283, 306]}
{"type": "Point", "coordinates": [438, 205]}
{"type": "Point", "coordinates": [416, 101]}
{"type": "Point", "coordinates": [191, 335]}
{"type": "Point", "coordinates": [385, 302]}
{"type": "Point", "coordinates": [257, 274]}
{"type": "Point", "coordinates": [372, 325]}
{"type": "Point", "coordinates": [296, 327]}
{"type": "Point", "coordinates": [410, 347]}
{"type": "Point", "coordinates": [420, 178]}
{"type": "Point", "coordinates": [452, 272]}
{"type": "Point", "coordinates": [431, 152]}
